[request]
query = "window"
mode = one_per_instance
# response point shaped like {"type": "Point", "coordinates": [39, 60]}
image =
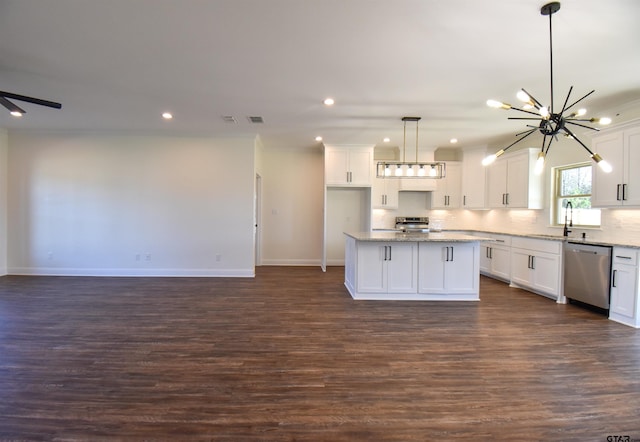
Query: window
{"type": "Point", "coordinates": [573, 184]}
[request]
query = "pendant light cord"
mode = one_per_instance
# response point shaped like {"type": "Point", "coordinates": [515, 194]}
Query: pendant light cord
{"type": "Point", "coordinates": [551, 60]}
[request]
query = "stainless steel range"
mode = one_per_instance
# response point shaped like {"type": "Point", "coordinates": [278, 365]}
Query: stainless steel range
{"type": "Point", "coordinates": [414, 224]}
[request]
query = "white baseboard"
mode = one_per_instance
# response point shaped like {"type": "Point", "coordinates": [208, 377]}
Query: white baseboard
{"type": "Point", "coordinates": [55, 271]}
{"type": "Point", "coordinates": [291, 262]}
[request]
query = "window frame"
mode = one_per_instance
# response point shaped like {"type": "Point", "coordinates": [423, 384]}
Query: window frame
{"type": "Point", "coordinates": [555, 203]}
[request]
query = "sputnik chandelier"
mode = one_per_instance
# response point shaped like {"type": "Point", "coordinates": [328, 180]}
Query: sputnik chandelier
{"type": "Point", "coordinates": [551, 122]}
{"type": "Point", "coordinates": [410, 169]}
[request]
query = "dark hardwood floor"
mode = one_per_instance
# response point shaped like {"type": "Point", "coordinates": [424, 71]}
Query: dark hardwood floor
{"type": "Point", "coordinates": [288, 355]}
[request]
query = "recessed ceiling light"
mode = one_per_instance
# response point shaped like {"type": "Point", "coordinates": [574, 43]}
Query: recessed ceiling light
{"type": "Point", "coordinates": [329, 101]}
{"type": "Point", "coordinates": [318, 138]}
{"type": "Point", "coordinates": [386, 139]}
{"type": "Point", "coordinates": [453, 140]}
{"type": "Point", "coordinates": [167, 115]}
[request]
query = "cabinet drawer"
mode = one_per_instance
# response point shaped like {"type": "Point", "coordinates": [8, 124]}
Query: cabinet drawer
{"type": "Point", "coordinates": [625, 256]}
{"type": "Point", "coordinates": [538, 245]}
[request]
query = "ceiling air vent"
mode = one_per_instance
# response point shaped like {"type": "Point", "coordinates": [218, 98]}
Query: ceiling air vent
{"type": "Point", "coordinates": [229, 119]}
{"type": "Point", "coordinates": [257, 120]}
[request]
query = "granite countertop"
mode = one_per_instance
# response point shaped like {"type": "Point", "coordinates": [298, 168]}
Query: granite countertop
{"type": "Point", "coordinates": [577, 240]}
{"type": "Point", "coordinates": [470, 235]}
{"type": "Point", "coordinates": [415, 237]}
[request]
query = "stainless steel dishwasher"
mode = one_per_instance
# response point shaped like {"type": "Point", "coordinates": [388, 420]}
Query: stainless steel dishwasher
{"type": "Point", "coordinates": [587, 273]}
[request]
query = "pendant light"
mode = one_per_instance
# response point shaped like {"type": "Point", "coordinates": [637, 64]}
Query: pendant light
{"type": "Point", "coordinates": [410, 169]}
{"type": "Point", "coordinates": [551, 123]}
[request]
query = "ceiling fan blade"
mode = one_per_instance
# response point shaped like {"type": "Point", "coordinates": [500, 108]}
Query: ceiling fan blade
{"type": "Point", "coordinates": [38, 101]}
{"type": "Point", "coordinates": [11, 107]}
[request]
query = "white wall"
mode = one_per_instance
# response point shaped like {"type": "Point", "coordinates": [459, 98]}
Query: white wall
{"type": "Point", "coordinates": [124, 205]}
{"type": "Point", "coordinates": [4, 169]}
{"type": "Point", "coordinates": [292, 206]}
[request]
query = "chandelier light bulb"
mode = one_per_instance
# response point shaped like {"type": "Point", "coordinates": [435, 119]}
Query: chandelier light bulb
{"type": "Point", "coordinates": [387, 170]}
{"type": "Point", "coordinates": [398, 170]}
{"type": "Point", "coordinates": [489, 160]}
{"type": "Point", "coordinates": [581, 112]}
{"type": "Point", "coordinates": [421, 171]}
{"type": "Point", "coordinates": [16, 113]}
{"type": "Point", "coordinates": [433, 171]}
{"type": "Point", "coordinates": [410, 171]}
{"type": "Point", "coordinates": [544, 112]}
{"type": "Point", "coordinates": [604, 166]}
{"type": "Point", "coordinates": [498, 104]}
{"type": "Point", "coordinates": [602, 121]}
{"type": "Point", "coordinates": [523, 96]}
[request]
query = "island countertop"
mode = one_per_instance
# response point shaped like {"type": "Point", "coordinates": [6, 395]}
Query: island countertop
{"type": "Point", "coordinates": [415, 237]}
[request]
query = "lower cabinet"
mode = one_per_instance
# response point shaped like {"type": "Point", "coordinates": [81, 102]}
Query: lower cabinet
{"type": "Point", "coordinates": [536, 265]}
{"type": "Point", "coordinates": [387, 267]}
{"type": "Point", "coordinates": [448, 268]}
{"type": "Point", "coordinates": [624, 306]}
{"type": "Point", "coordinates": [495, 257]}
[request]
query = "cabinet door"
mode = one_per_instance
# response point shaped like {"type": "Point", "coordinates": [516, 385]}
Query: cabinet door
{"type": "Point", "coordinates": [623, 290]}
{"type": "Point", "coordinates": [632, 159]}
{"type": "Point", "coordinates": [485, 258]}
{"type": "Point", "coordinates": [546, 273]}
{"type": "Point", "coordinates": [605, 190]}
{"type": "Point", "coordinates": [448, 189]}
{"type": "Point", "coordinates": [521, 272]}
{"type": "Point", "coordinates": [501, 263]}
{"type": "Point", "coordinates": [473, 180]}
{"type": "Point", "coordinates": [336, 162]}
{"type": "Point", "coordinates": [431, 261]}
{"type": "Point", "coordinates": [518, 182]}
{"type": "Point", "coordinates": [384, 193]}
{"type": "Point", "coordinates": [361, 167]}
{"type": "Point", "coordinates": [402, 267]}
{"type": "Point", "coordinates": [372, 267]}
{"type": "Point", "coordinates": [461, 272]}
{"type": "Point", "coordinates": [497, 184]}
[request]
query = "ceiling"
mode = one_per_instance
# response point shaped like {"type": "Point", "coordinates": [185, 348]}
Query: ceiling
{"type": "Point", "coordinates": [117, 65]}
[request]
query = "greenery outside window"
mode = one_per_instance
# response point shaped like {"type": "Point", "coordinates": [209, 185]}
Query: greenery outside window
{"type": "Point", "coordinates": [573, 184]}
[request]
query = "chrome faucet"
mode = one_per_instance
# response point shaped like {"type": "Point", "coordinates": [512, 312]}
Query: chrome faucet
{"type": "Point", "coordinates": [566, 230]}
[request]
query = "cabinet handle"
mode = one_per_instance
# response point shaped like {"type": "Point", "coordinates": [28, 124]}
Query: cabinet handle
{"type": "Point", "coordinates": [490, 252]}
{"type": "Point", "coordinates": [447, 251]}
{"type": "Point", "coordinates": [623, 257]}
{"type": "Point", "coordinates": [613, 279]}
{"type": "Point", "coordinates": [507, 198]}
{"type": "Point", "coordinates": [464, 200]}
{"type": "Point", "coordinates": [452, 254]}
{"type": "Point", "coordinates": [503, 199]}
{"type": "Point", "coordinates": [389, 253]}
{"type": "Point", "coordinates": [618, 193]}
{"type": "Point", "coordinates": [624, 192]}
{"type": "Point", "coordinates": [533, 263]}
{"type": "Point", "coordinates": [487, 252]}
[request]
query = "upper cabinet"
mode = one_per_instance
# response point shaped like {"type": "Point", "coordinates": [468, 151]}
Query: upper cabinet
{"type": "Point", "coordinates": [350, 166]}
{"type": "Point", "coordinates": [620, 187]}
{"type": "Point", "coordinates": [473, 179]}
{"type": "Point", "coordinates": [448, 189]}
{"type": "Point", "coordinates": [384, 193]}
{"type": "Point", "coordinates": [512, 183]}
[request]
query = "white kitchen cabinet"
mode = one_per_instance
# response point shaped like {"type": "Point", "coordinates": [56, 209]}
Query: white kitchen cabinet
{"type": "Point", "coordinates": [348, 166]}
{"type": "Point", "coordinates": [536, 265]}
{"type": "Point", "coordinates": [624, 306]}
{"type": "Point", "coordinates": [512, 183]}
{"type": "Point", "coordinates": [386, 267]}
{"type": "Point", "coordinates": [448, 268]}
{"type": "Point", "coordinates": [495, 257]}
{"type": "Point", "coordinates": [448, 189]}
{"type": "Point", "coordinates": [384, 193]}
{"type": "Point", "coordinates": [473, 179]}
{"type": "Point", "coordinates": [620, 187]}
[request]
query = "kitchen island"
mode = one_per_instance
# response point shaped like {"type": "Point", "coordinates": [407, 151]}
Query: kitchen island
{"type": "Point", "coordinates": [434, 266]}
